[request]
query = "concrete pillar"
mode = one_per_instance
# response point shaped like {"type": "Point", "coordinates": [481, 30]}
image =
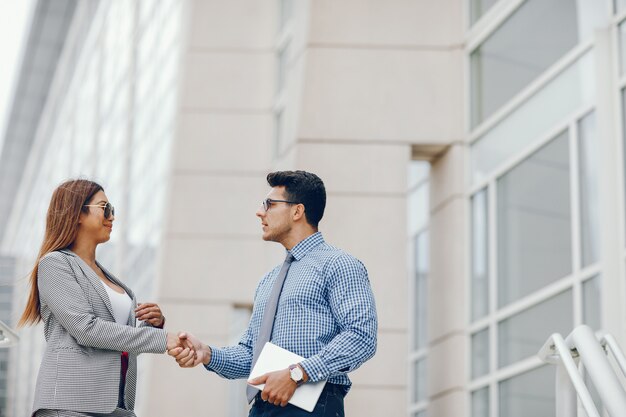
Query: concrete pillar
{"type": "Point", "coordinates": [447, 359]}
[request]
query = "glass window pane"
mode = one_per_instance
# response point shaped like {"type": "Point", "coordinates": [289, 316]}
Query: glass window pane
{"type": "Point", "coordinates": [521, 335]}
{"type": "Point", "coordinates": [565, 94]}
{"type": "Point", "coordinates": [589, 193]}
{"type": "Point", "coordinates": [418, 171]}
{"type": "Point", "coordinates": [421, 291]}
{"type": "Point", "coordinates": [418, 393]}
{"type": "Point", "coordinates": [480, 353]}
{"type": "Point", "coordinates": [278, 132]}
{"type": "Point", "coordinates": [479, 8]}
{"type": "Point", "coordinates": [480, 402]}
{"type": "Point", "coordinates": [619, 5]}
{"type": "Point", "coordinates": [591, 303]}
{"type": "Point", "coordinates": [622, 47]}
{"type": "Point", "coordinates": [418, 208]}
{"type": "Point", "coordinates": [624, 125]}
{"type": "Point", "coordinates": [518, 51]}
{"type": "Point", "coordinates": [534, 230]}
{"type": "Point", "coordinates": [286, 11]}
{"type": "Point", "coordinates": [282, 67]}
{"type": "Point", "coordinates": [480, 260]}
{"type": "Point", "coordinates": [529, 394]}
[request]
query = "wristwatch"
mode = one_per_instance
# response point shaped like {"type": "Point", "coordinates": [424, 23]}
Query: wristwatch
{"type": "Point", "coordinates": [296, 374]}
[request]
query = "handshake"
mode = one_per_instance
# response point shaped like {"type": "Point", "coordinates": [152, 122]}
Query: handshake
{"type": "Point", "coordinates": [188, 350]}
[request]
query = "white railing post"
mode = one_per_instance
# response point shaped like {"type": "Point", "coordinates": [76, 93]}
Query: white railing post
{"type": "Point", "coordinates": [565, 360]}
{"type": "Point", "coordinates": [611, 344]}
{"type": "Point", "coordinates": [599, 369]}
{"type": "Point", "coordinates": [583, 346]}
{"type": "Point", "coordinates": [566, 399]}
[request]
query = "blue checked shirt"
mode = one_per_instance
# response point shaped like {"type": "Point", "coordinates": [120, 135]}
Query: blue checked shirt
{"type": "Point", "coordinates": [326, 314]}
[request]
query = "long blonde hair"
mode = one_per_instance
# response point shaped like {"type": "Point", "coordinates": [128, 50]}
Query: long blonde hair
{"type": "Point", "coordinates": [66, 204]}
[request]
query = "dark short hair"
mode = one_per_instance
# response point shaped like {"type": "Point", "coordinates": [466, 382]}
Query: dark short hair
{"type": "Point", "coordinates": [304, 188]}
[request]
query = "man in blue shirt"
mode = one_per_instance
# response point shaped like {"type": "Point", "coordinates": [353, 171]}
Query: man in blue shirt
{"type": "Point", "coordinates": [325, 310]}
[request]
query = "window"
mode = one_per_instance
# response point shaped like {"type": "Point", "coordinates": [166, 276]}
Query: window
{"type": "Point", "coordinates": [418, 206]}
{"type": "Point", "coordinates": [480, 403]}
{"type": "Point", "coordinates": [480, 267]}
{"type": "Point", "coordinates": [589, 191]}
{"type": "Point", "coordinates": [521, 335]}
{"type": "Point", "coordinates": [529, 394]}
{"type": "Point", "coordinates": [420, 303]}
{"type": "Point", "coordinates": [567, 93]}
{"type": "Point", "coordinates": [591, 303]}
{"type": "Point", "coordinates": [535, 285]}
{"type": "Point", "coordinates": [524, 46]}
{"type": "Point", "coordinates": [534, 227]}
{"type": "Point", "coordinates": [480, 353]}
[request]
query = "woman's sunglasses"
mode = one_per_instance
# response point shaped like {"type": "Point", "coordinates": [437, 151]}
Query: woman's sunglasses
{"type": "Point", "coordinates": [109, 210]}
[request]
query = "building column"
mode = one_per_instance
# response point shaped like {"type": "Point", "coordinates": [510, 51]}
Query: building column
{"type": "Point", "coordinates": [447, 310]}
{"type": "Point", "coordinates": [212, 254]}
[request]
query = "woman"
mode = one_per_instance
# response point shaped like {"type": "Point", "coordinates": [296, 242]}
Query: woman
{"type": "Point", "coordinates": [90, 362]}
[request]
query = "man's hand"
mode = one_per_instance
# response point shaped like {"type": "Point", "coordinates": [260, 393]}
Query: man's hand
{"type": "Point", "coordinates": [279, 387]}
{"type": "Point", "coordinates": [150, 313]}
{"type": "Point", "coordinates": [191, 351]}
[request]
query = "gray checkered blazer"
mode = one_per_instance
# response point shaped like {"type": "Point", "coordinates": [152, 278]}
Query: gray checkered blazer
{"type": "Point", "coordinates": [80, 370]}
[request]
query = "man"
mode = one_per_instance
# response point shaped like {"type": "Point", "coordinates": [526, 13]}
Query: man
{"type": "Point", "coordinates": [317, 304]}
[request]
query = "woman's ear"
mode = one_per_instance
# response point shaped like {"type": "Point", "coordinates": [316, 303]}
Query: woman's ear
{"type": "Point", "coordinates": [81, 216]}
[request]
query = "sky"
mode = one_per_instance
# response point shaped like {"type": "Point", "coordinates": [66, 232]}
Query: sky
{"type": "Point", "coordinates": [15, 17]}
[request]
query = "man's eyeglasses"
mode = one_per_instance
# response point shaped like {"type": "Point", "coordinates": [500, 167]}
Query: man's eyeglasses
{"type": "Point", "coordinates": [267, 203]}
{"type": "Point", "coordinates": [109, 210]}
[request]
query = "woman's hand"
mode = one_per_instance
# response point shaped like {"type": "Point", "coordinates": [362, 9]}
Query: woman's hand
{"type": "Point", "coordinates": [151, 314]}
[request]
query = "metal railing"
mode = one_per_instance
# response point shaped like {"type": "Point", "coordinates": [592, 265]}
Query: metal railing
{"type": "Point", "coordinates": [582, 346]}
{"type": "Point", "coordinates": [8, 337]}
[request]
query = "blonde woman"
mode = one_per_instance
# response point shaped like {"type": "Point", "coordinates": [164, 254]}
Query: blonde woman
{"type": "Point", "coordinates": [90, 362]}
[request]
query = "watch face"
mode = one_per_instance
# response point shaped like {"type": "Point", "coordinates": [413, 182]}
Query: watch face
{"type": "Point", "coordinates": [296, 374]}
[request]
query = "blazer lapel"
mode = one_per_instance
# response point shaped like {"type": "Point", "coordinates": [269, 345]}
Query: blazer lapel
{"type": "Point", "coordinates": [95, 280]}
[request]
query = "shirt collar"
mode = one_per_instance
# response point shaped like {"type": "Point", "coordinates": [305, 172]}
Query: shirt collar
{"type": "Point", "coordinates": [306, 245]}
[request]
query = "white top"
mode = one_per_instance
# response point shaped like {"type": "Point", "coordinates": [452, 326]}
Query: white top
{"type": "Point", "coordinates": [121, 304]}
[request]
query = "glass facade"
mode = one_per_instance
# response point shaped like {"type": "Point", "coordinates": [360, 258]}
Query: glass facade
{"type": "Point", "coordinates": [535, 176]}
{"type": "Point", "coordinates": [516, 53]}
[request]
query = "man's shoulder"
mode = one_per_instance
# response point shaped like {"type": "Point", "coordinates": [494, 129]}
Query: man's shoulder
{"type": "Point", "coordinates": [337, 257]}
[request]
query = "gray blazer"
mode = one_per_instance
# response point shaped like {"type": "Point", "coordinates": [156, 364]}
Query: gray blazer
{"type": "Point", "coordinates": [80, 370]}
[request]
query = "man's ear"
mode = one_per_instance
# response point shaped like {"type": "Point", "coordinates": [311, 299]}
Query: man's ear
{"type": "Point", "coordinates": [298, 212]}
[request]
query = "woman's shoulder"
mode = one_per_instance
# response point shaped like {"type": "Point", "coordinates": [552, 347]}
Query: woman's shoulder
{"type": "Point", "coordinates": [56, 257]}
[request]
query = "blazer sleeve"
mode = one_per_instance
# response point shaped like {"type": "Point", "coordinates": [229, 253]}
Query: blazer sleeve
{"type": "Point", "coordinates": [59, 290]}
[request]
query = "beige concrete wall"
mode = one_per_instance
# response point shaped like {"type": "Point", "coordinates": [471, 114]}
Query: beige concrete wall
{"type": "Point", "coordinates": [212, 254]}
{"type": "Point", "coordinates": [366, 82]}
